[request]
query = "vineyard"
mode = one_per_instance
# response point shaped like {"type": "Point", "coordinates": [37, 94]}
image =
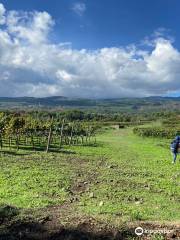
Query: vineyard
{"type": "Point", "coordinates": [124, 178]}
{"type": "Point", "coordinates": [43, 133]}
{"type": "Point", "coordinates": [157, 132]}
{"type": "Point", "coordinates": [169, 129]}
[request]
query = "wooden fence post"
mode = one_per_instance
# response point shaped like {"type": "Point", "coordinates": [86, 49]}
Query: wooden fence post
{"type": "Point", "coordinates": [49, 136]}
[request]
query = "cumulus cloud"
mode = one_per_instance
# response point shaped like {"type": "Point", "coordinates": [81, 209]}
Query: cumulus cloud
{"type": "Point", "coordinates": [32, 27]}
{"type": "Point", "coordinates": [31, 65]}
{"type": "Point", "coordinates": [79, 8]}
{"type": "Point", "coordinates": [2, 13]}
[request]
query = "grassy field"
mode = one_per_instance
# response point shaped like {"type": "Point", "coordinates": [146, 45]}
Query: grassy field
{"type": "Point", "coordinates": [135, 179]}
{"type": "Point", "coordinates": [123, 178]}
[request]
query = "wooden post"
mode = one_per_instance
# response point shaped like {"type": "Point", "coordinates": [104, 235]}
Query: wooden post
{"type": "Point", "coordinates": [49, 136]}
{"type": "Point", "coordinates": [1, 141]}
{"type": "Point", "coordinates": [71, 137]}
{"type": "Point", "coordinates": [61, 134]}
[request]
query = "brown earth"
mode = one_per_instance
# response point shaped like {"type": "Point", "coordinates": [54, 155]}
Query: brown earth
{"type": "Point", "coordinates": [58, 223]}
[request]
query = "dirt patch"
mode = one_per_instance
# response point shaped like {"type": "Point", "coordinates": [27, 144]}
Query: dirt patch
{"type": "Point", "coordinates": [165, 231]}
{"type": "Point", "coordinates": [86, 229]}
{"type": "Point", "coordinates": [60, 223]}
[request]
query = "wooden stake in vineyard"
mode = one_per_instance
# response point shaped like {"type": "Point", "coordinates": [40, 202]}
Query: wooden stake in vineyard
{"type": "Point", "coordinates": [49, 136]}
{"type": "Point", "coordinates": [71, 136]}
{"type": "Point", "coordinates": [1, 142]}
{"type": "Point", "coordinates": [61, 134]}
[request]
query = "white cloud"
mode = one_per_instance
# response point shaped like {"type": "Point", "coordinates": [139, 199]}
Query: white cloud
{"type": "Point", "coordinates": [32, 27]}
{"type": "Point", "coordinates": [2, 14]}
{"type": "Point", "coordinates": [31, 65]}
{"type": "Point", "coordinates": [79, 8]}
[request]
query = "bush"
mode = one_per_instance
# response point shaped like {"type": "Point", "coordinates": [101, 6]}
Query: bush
{"type": "Point", "coordinates": [157, 132]}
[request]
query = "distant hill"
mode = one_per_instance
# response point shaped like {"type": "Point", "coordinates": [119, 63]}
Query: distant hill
{"type": "Point", "coordinates": [117, 104]}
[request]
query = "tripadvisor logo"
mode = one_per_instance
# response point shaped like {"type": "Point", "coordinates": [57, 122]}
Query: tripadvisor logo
{"type": "Point", "coordinates": [139, 231]}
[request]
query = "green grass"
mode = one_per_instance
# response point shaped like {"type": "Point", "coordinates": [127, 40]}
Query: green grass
{"type": "Point", "coordinates": [124, 177]}
{"type": "Point", "coordinates": [141, 184]}
{"type": "Point", "coordinates": [33, 180]}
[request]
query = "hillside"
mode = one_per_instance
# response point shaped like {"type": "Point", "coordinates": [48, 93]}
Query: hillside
{"type": "Point", "coordinates": [118, 104]}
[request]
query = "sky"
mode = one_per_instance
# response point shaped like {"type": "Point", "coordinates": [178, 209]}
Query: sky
{"type": "Point", "coordinates": [89, 48]}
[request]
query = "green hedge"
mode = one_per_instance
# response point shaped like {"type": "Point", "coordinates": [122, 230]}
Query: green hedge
{"type": "Point", "coordinates": [157, 132]}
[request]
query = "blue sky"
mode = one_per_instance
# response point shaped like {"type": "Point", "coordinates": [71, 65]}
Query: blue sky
{"type": "Point", "coordinates": [106, 23]}
{"type": "Point", "coordinates": [89, 48]}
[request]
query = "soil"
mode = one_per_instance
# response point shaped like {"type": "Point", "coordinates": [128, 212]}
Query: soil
{"type": "Point", "coordinates": [57, 223]}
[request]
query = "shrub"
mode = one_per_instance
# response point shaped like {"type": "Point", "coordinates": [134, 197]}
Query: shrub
{"type": "Point", "coordinates": [161, 132]}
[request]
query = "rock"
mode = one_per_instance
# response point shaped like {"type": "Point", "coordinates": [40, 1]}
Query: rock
{"type": "Point", "coordinates": [91, 195]}
{"type": "Point", "coordinates": [139, 201]}
{"type": "Point", "coordinates": [110, 166]}
{"type": "Point", "coordinates": [101, 203]}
